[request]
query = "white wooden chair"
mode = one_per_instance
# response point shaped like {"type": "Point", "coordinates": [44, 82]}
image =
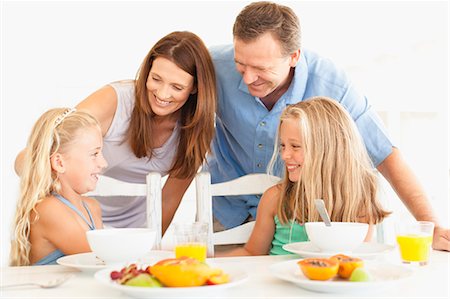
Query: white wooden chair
{"type": "Point", "coordinates": [249, 184]}
{"type": "Point", "coordinates": [107, 186]}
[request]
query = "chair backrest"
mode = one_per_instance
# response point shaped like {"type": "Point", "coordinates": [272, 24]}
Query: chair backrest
{"type": "Point", "coordinates": [250, 184]}
{"type": "Point", "coordinates": [107, 186]}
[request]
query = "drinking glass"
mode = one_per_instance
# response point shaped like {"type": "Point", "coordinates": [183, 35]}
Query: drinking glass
{"type": "Point", "coordinates": [191, 240]}
{"type": "Point", "coordinates": [414, 241]}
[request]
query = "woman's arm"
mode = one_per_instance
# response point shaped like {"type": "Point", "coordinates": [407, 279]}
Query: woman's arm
{"type": "Point", "coordinates": [260, 240]}
{"type": "Point", "coordinates": [102, 104]}
{"type": "Point", "coordinates": [172, 193]}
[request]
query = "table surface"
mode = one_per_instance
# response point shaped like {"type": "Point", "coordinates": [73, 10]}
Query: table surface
{"type": "Point", "coordinates": [430, 281]}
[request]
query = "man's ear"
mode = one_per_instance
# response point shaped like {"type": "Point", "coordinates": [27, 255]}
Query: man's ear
{"type": "Point", "coordinates": [295, 58]}
{"type": "Point", "coordinates": [57, 162]}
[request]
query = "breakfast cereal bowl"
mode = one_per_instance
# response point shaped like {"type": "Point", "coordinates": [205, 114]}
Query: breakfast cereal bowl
{"type": "Point", "coordinates": [117, 245]}
{"type": "Point", "coordinates": [339, 237]}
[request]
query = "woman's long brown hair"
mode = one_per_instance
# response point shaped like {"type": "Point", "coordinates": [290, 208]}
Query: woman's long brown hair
{"type": "Point", "coordinates": [189, 53]}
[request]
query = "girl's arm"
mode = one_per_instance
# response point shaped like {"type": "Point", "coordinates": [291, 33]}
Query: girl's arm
{"type": "Point", "coordinates": [172, 193]}
{"type": "Point", "coordinates": [260, 240]}
{"type": "Point", "coordinates": [369, 235]}
{"type": "Point", "coordinates": [364, 219]}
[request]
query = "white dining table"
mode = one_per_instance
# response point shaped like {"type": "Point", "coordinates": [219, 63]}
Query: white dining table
{"type": "Point", "coordinates": [430, 281]}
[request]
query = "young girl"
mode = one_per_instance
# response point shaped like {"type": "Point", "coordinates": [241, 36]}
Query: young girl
{"type": "Point", "coordinates": [324, 157]}
{"type": "Point", "coordinates": [161, 122]}
{"type": "Point", "coordinates": [63, 161]}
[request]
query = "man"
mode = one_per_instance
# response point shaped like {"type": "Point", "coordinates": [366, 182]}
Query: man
{"type": "Point", "coordinates": [266, 70]}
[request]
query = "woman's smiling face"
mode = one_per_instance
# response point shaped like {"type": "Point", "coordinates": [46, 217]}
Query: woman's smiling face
{"type": "Point", "coordinates": [168, 87]}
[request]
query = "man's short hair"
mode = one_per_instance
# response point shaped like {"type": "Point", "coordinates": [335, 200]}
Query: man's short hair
{"type": "Point", "coordinates": [259, 18]}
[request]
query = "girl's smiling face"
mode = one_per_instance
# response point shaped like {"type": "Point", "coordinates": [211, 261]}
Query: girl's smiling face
{"type": "Point", "coordinates": [291, 148]}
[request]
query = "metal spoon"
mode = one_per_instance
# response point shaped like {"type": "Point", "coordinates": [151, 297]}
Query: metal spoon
{"type": "Point", "coordinates": [46, 285]}
{"type": "Point", "coordinates": [320, 206]}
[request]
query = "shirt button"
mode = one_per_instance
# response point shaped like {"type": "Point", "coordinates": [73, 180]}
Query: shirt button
{"type": "Point", "coordinates": [260, 145]}
{"type": "Point", "coordinates": [259, 165]}
{"type": "Point", "coordinates": [262, 124]}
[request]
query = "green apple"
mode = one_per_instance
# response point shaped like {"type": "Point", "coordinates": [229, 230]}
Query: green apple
{"type": "Point", "coordinates": [360, 274]}
{"type": "Point", "coordinates": [143, 280]}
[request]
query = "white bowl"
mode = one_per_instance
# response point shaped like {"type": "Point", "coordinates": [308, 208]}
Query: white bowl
{"type": "Point", "coordinates": [339, 237]}
{"type": "Point", "coordinates": [121, 244]}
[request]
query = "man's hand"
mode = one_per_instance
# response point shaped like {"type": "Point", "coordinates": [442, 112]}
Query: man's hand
{"type": "Point", "coordinates": [441, 239]}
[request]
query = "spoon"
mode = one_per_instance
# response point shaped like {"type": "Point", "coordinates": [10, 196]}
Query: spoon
{"type": "Point", "coordinates": [46, 285]}
{"type": "Point", "coordinates": [320, 206]}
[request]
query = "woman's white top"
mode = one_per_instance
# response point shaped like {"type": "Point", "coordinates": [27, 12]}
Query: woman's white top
{"type": "Point", "coordinates": [123, 165]}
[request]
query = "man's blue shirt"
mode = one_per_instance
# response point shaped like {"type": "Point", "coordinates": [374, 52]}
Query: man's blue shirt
{"type": "Point", "coordinates": [246, 129]}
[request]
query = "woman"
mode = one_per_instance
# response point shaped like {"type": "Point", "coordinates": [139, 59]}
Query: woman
{"type": "Point", "coordinates": [163, 121]}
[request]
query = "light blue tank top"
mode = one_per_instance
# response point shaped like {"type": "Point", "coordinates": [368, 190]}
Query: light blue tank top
{"type": "Point", "coordinates": [51, 258]}
{"type": "Point", "coordinates": [284, 235]}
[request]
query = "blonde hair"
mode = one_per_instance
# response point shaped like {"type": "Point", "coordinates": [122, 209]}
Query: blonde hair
{"type": "Point", "coordinates": [54, 131]}
{"type": "Point", "coordinates": [336, 167]}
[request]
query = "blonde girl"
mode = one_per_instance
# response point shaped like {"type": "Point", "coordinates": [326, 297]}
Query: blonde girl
{"type": "Point", "coordinates": [62, 162]}
{"type": "Point", "coordinates": [324, 157]}
{"type": "Point", "coordinates": [163, 121]}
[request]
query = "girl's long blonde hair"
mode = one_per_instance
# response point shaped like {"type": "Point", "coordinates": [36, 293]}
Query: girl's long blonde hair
{"type": "Point", "coordinates": [336, 167]}
{"type": "Point", "coordinates": [54, 132]}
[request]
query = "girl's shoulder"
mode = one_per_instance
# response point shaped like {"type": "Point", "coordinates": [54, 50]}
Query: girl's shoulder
{"type": "Point", "coordinates": [275, 190]}
{"type": "Point", "coordinates": [47, 204]}
{"type": "Point", "coordinates": [93, 204]}
{"type": "Point", "coordinates": [48, 210]}
{"type": "Point", "coordinates": [271, 196]}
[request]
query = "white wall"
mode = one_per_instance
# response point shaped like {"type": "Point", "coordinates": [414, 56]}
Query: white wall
{"type": "Point", "coordinates": [56, 53]}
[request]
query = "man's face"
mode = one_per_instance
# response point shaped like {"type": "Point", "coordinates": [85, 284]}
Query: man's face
{"type": "Point", "coordinates": [262, 65]}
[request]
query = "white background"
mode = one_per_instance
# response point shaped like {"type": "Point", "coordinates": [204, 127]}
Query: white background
{"type": "Point", "coordinates": [54, 54]}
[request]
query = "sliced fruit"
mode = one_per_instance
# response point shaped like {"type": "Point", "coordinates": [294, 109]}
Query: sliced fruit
{"type": "Point", "coordinates": [319, 268]}
{"type": "Point", "coordinates": [359, 275]}
{"type": "Point", "coordinates": [218, 279]}
{"type": "Point", "coordinates": [143, 280]}
{"type": "Point", "coordinates": [182, 272]}
{"type": "Point", "coordinates": [347, 264]}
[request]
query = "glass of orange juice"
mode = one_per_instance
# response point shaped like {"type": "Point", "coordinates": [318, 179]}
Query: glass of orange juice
{"type": "Point", "coordinates": [191, 240]}
{"type": "Point", "coordinates": [414, 241]}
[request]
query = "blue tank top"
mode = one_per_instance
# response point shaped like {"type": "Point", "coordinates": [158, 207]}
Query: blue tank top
{"type": "Point", "coordinates": [51, 258]}
{"type": "Point", "coordinates": [286, 233]}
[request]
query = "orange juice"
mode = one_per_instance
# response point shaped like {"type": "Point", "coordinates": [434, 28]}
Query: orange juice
{"type": "Point", "coordinates": [194, 250]}
{"type": "Point", "coordinates": [414, 247]}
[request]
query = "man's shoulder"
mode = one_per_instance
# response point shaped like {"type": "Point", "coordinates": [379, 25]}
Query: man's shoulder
{"type": "Point", "coordinates": [222, 52]}
{"type": "Point", "coordinates": [323, 69]}
{"type": "Point", "coordinates": [318, 63]}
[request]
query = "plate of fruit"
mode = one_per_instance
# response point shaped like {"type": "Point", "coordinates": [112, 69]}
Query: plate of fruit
{"type": "Point", "coordinates": [340, 274]}
{"type": "Point", "coordinates": [170, 277]}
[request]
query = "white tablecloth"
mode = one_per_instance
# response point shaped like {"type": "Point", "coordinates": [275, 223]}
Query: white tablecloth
{"type": "Point", "coordinates": [429, 281]}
